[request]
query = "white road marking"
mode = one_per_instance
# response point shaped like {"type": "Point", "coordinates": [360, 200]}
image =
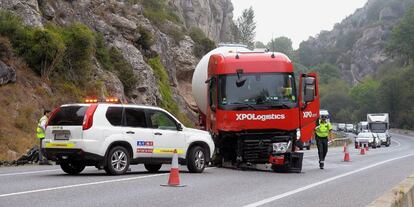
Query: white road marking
{"type": "Point", "coordinates": [80, 185]}
{"type": "Point", "coordinates": [289, 193]}
{"type": "Point", "coordinates": [29, 172]}
{"type": "Point", "coordinates": [85, 184]}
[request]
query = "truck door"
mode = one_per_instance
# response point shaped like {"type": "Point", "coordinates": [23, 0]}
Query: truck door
{"type": "Point", "coordinates": [309, 105]}
{"type": "Point", "coordinates": [166, 135]}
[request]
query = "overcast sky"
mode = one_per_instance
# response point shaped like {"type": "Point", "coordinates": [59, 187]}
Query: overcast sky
{"type": "Point", "coordinates": [296, 19]}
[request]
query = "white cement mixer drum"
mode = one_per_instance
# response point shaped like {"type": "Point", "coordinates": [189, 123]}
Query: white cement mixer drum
{"type": "Point", "coordinates": [199, 86]}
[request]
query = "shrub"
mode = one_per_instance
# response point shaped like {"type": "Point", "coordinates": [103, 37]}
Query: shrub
{"type": "Point", "coordinates": [203, 44]}
{"type": "Point", "coordinates": [44, 51]}
{"type": "Point", "coordinates": [123, 70]}
{"type": "Point", "coordinates": [5, 48]}
{"type": "Point", "coordinates": [176, 33]}
{"type": "Point", "coordinates": [168, 102]}
{"type": "Point", "coordinates": [102, 53]}
{"type": "Point", "coordinates": [146, 40]}
{"type": "Point", "coordinates": [158, 12]}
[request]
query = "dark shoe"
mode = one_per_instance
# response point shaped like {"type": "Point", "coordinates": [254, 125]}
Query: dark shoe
{"type": "Point", "coordinates": [321, 164]}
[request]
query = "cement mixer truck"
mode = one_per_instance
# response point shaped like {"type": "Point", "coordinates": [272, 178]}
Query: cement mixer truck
{"type": "Point", "coordinates": [253, 108]}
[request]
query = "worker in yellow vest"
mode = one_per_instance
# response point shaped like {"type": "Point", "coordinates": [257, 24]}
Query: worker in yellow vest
{"type": "Point", "coordinates": [40, 134]}
{"type": "Point", "coordinates": [323, 133]}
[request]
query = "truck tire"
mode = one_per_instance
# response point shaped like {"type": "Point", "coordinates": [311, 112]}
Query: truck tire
{"type": "Point", "coordinates": [196, 160]}
{"type": "Point", "coordinates": [117, 161]}
{"type": "Point", "coordinates": [308, 147]}
{"type": "Point", "coordinates": [72, 168]}
{"type": "Point", "coordinates": [388, 143]}
{"type": "Point", "coordinates": [153, 168]}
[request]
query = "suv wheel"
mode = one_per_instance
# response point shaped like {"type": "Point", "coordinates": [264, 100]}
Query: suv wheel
{"type": "Point", "coordinates": [72, 168]}
{"type": "Point", "coordinates": [153, 168]}
{"type": "Point", "coordinates": [117, 161]}
{"type": "Point", "coordinates": [196, 160]}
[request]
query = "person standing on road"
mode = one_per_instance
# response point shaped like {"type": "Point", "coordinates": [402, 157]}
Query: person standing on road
{"type": "Point", "coordinates": [323, 132]}
{"type": "Point", "coordinates": [40, 134]}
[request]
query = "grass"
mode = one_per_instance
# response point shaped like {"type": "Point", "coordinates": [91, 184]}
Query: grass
{"type": "Point", "coordinates": [168, 103]}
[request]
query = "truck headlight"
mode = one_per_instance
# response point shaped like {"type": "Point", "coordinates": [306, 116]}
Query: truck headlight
{"type": "Point", "coordinates": [297, 133]}
{"type": "Point", "coordinates": [281, 147]}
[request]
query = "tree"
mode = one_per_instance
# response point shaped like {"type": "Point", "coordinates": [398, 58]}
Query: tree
{"type": "Point", "coordinates": [245, 27]}
{"type": "Point", "coordinates": [281, 44]}
{"type": "Point", "coordinates": [402, 39]}
{"type": "Point", "coordinates": [259, 44]}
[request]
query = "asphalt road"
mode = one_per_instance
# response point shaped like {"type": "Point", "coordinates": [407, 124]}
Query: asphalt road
{"type": "Point", "coordinates": [355, 183]}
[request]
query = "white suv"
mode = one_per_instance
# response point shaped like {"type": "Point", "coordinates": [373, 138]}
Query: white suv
{"type": "Point", "coordinates": [113, 136]}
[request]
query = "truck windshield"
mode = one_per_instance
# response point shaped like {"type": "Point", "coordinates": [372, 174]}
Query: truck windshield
{"type": "Point", "coordinates": [259, 91]}
{"type": "Point", "coordinates": [378, 127]}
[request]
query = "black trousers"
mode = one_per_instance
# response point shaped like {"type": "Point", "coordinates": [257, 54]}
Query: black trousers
{"type": "Point", "coordinates": [322, 143]}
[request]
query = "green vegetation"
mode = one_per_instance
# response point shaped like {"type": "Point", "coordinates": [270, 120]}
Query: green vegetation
{"type": "Point", "coordinates": [244, 28]}
{"type": "Point", "coordinates": [203, 44]}
{"type": "Point", "coordinates": [146, 40]}
{"type": "Point", "coordinates": [402, 39]}
{"type": "Point", "coordinates": [281, 44]}
{"type": "Point", "coordinates": [123, 70]}
{"type": "Point", "coordinates": [167, 102]}
{"type": "Point", "coordinates": [112, 60]}
{"type": "Point", "coordinates": [158, 12]}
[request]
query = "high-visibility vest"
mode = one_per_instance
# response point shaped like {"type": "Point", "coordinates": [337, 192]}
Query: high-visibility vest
{"type": "Point", "coordinates": [323, 129]}
{"type": "Point", "coordinates": [40, 133]}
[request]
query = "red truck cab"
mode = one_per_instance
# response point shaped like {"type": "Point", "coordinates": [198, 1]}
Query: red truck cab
{"type": "Point", "coordinates": [255, 110]}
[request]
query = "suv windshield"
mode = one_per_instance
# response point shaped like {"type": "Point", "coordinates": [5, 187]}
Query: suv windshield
{"type": "Point", "coordinates": [69, 116]}
{"type": "Point", "coordinates": [259, 91]}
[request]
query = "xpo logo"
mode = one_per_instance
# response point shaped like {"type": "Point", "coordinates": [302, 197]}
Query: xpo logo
{"type": "Point", "coordinates": [254, 117]}
{"type": "Point", "coordinates": [308, 114]}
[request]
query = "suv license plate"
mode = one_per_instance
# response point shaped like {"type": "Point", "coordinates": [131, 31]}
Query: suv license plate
{"type": "Point", "coordinates": [62, 136]}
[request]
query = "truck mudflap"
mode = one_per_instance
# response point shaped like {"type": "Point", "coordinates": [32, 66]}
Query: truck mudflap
{"type": "Point", "coordinates": [287, 162]}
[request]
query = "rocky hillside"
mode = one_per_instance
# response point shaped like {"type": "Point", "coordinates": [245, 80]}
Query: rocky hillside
{"type": "Point", "coordinates": [159, 40]}
{"type": "Point", "coordinates": [357, 44]}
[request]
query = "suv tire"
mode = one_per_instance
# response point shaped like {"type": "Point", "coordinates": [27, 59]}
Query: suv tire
{"type": "Point", "coordinates": [117, 161]}
{"type": "Point", "coordinates": [196, 160]}
{"type": "Point", "coordinates": [72, 168]}
{"type": "Point", "coordinates": [153, 168]}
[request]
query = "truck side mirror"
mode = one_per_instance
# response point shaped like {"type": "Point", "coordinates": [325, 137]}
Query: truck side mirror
{"type": "Point", "coordinates": [240, 82]}
{"type": "Point", "coordinates": [309, 89]}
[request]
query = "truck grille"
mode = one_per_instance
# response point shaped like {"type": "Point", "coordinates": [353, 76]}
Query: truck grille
{"type": "Point", "coordinates": [258, 150]}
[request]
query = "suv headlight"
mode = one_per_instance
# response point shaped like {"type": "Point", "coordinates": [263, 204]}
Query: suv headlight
{"type": "Point", "coordinates": [281, 147]}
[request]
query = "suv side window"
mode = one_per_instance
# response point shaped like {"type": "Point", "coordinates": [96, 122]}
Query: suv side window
{"type": "Point", "coordinates": [135, 117]}
{"type": "Point", "coordinates": [161, 120]}
{"type": "Point", "coordinates": [114, 115]}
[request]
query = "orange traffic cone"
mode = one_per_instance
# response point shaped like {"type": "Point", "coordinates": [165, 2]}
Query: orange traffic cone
{"type": "Point", "coordinates": [174, 179]}
{"type": "Point", "coordinates": [346, 156]}
{"type": "Point", "coordinates": [362, 151]}
{"type": "Point", "coordinates": [367, 147]}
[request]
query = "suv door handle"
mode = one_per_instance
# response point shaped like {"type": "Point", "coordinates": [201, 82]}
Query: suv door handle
{"type": "Point", "coordinates": [157, 133]}
{"type": "Point", "coordinates": [130, 132]}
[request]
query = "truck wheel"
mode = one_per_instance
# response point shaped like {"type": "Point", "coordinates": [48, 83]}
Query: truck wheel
{"type": "Point", "coordinates": [72, 168]}
{"type": "Point", "coordinates": [308, 147]}
{"type": "Point", "coordinates": [388, 143]}
{"type": "Point", "coordinates": [196, 160]}
{"type": "Point", "coordinates": [117, 161]}
{"type": "Point", "coordinates": [153, 168]}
